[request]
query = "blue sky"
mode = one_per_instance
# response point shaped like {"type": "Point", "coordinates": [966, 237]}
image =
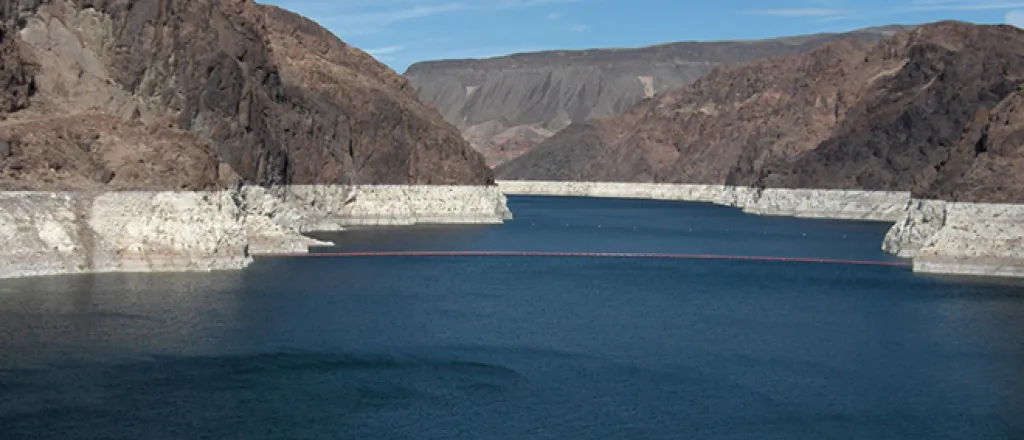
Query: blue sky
{"type": "Point", "coordinates": [400, 32]}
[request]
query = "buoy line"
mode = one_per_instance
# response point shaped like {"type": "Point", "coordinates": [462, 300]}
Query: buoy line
{"type": "Point", "coordinates": [585, 255]}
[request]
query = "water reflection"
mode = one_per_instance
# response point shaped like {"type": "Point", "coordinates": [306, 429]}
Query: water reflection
{"type": "Point", "coordinates": [96, 316]}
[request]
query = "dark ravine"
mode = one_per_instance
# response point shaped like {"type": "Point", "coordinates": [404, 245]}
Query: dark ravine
{"type": "Point", "coordinates": [935, 111]}
{"type": "Point", "coordinates": [506, 105]}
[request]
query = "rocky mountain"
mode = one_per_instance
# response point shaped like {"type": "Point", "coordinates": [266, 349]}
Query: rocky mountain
{"type": "Point", "coordinates": [506, 105]}
{"type": "Point", "coordinates": [936, 111]}
{"type": "Point", "coordinates": [195, 94]}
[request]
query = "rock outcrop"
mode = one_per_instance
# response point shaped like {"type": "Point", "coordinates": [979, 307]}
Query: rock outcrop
{"type": "Point", "coordinates": [961, 238]}
{"type": "Point", "coordinates": [149, 135]}
{"type": "Point", "coordinates": [920, 221]}
{"type": "Point", "coordinates": [506, 105]}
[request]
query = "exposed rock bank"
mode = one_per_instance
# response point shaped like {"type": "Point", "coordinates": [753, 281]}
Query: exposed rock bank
{"type": "Point", "coordinates": [941, 237]}
{"type": "Point", "coordinates": [960, 238]}
{"type": "Point", "coordinates": [829, 204]}
{"type": "Point", "coordinates": [49, 233]}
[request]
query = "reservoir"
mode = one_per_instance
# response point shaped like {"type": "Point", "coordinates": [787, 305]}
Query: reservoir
{"type": "Point", "coordinates": [527, 347]}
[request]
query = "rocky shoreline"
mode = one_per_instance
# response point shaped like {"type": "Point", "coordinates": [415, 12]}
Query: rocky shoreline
{"type": "Point", "coordinates": [69, 232]}
{"type": "Point", "coordinates": [807, 203]}
{"type": "Point", "coordinates": [958, 238]}
{"type": "Point", "coordinates": [954, 238]}
{"type": "Point", "coordinates": [54, 232]}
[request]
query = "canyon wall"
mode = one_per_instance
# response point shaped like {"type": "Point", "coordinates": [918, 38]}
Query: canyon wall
{"type": "Point", "coordinates": [506, 105]}
{"type": "Point", "coordinates": [937, 111]}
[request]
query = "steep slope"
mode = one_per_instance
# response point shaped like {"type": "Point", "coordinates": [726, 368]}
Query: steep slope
{"type": "Point", "coordinates": [987, 163]}
{"type": "Point", "coordinates": [192, 94]}
{"type": "Point", "coordinates": [506, 105]}
{"type": "Point", "coordinates": [906, 132]}
{"type": "Point", "coordinates": [909, 113]}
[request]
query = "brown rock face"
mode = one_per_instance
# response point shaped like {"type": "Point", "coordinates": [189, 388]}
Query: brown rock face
{"type": "Point", "coordinates": [908, 113]}
{"type": "Point", "coordinates": [987, 163]}
{"type": "Point", "coordinates": [16, 73]}
{"type": "Point", "coordinates": [506, 105]}
{"type": "Point", "coordinates": [101, 152]}
{"type": "Point", "coordinates": [197, 83]}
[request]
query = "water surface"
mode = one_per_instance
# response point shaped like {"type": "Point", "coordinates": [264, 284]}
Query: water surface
{"type": "Point", "coordinates": [526, 347]}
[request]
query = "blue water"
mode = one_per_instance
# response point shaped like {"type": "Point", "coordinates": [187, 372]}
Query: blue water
{"type": "Point", "coordinates": [526, 347]}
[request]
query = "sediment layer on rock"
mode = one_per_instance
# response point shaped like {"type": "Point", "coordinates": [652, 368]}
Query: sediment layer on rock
{"type": "Point", "coordinates": [961, 238]}
{"type": "Point", "coordinates": [653, 191]}
{"type": "Point", "coordinates": [50, 233]}
{"type": "Point", "coordinates": [332, 207]}
{"type": "Point", "coordinates": [921, 220]}
{"type": "Point", "coordinates": [830, 204]}
{"type": "Point", "coordinates": [40, 232]}
{"type": "Point", "coordinates": [807, 203]}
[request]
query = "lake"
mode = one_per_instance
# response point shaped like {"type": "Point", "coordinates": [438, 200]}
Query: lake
{"type": "Point", "coordinates": [526, 347]}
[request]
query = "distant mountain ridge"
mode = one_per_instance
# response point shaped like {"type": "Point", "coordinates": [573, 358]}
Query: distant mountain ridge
{"type": "Point", "coordinates": [506, 105]}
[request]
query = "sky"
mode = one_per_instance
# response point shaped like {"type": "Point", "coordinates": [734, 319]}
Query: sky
{"type": "Point", "coordinates": [401, 32]}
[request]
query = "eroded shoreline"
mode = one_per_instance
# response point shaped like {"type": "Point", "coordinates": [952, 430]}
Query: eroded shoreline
{"type": "Point", "coordinates": [54, 233]}
{"type": "Point", "coordinates": [940, 237]}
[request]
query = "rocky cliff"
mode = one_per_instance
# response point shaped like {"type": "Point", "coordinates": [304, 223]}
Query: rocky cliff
{"type": "Point", "coordinates": [506, 105]}
{"type": "Point", "coordinates": [934, 111]}
{"type": "Point", "coordinates": [131, 93]}
{"type": "Point", "coordinates": [190, 134]}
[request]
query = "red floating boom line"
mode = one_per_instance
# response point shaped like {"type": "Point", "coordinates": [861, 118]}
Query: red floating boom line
{"type": "Point", "coordinates": [585, 255]}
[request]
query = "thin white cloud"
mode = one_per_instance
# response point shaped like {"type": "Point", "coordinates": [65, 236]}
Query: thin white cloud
{"type": "Point", "coordinates": [579, 28]}
{"type": "Point", "coordinates": [379, 17]}
{"type": "Point", "coordinates": [386, 50]}
{"type": "Point", "coordinates": [369, 16]}
{"type": "Point", "coordinates": [797, 12]}
{"type": "Point", "coordinates": [512, 4]}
